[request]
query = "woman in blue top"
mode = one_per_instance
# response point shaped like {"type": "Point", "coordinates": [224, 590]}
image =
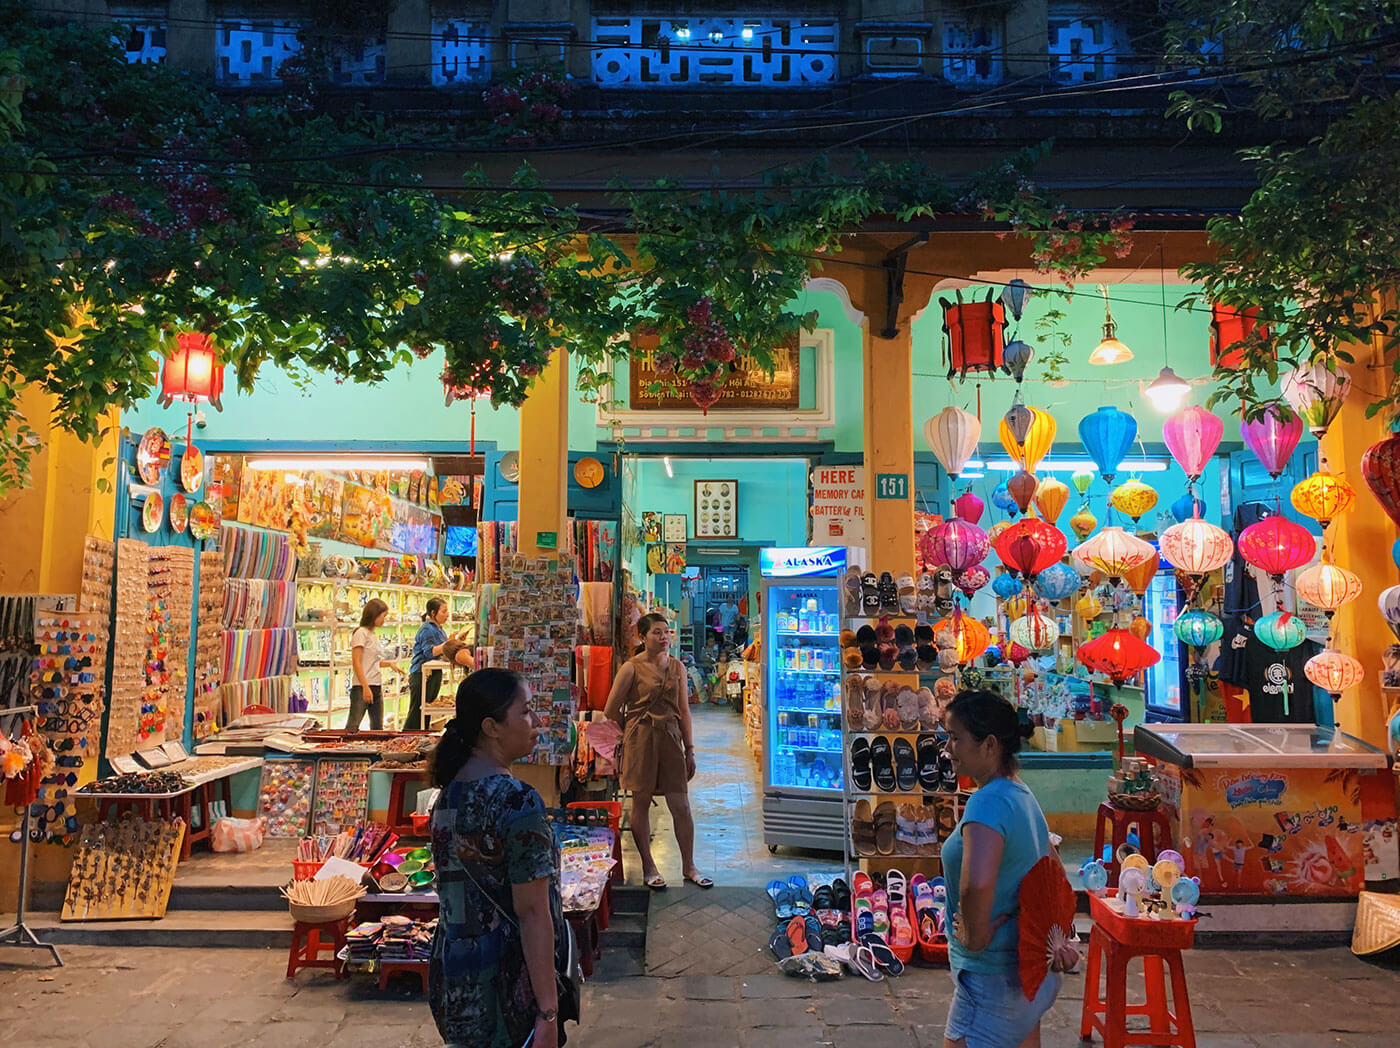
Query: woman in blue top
{"type": "Point", "coordinates": [1002, 834]}
{"type": "Point", "coordinates": [427, 645]}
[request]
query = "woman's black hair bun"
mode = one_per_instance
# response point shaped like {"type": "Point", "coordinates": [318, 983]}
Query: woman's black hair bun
{"type": "Point", "coordinates": [1027, 729]}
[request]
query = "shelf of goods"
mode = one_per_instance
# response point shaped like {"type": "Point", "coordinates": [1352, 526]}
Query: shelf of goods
{"type": "Point", "coordinates": [327, 614]}
{"type": "Point", "coordinates": [893, 822]}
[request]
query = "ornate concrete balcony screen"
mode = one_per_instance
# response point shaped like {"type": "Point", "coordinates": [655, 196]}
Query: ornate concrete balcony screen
{"type": "Point", "coordinates": [655, 51]}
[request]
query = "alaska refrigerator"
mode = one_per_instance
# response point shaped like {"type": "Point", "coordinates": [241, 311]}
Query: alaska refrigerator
{"type": "Point", "coordinates": [1165, 690]}
{"type": "Point", "coordinates": [802, 764]}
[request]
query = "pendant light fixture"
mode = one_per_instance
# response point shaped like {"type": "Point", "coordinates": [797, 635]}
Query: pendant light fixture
{"type": "Point", "coordinates": [1109, 350]}
{"type": "Point", "coordinates": [1168, 389]}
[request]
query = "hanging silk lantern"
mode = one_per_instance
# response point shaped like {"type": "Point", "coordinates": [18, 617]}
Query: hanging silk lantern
{"type": "Point", "coordinates": [995, 530]}
{"type": "Point", "coordinates": [1188, 506]}
{"type": "Point", "coordinates": [1133, 498]}
{"type": "Point", "coordinates": [1196, 546]}
{"type": "Point", "coordinates": [1057, 582]}
{"type": "Point", "coordinates": [1002, 500]}
{"type": "Point", "coordinates": [1327, 586]}
{"type": "Point", "coordinates": [1114, 552]}
{"type": "Point", "coordinates": [1323, 496]}
{"type": "Point", "coordinates": [1016, 357]}
{"type": "Point", "coordinates": [1140, 577]}
{"type": "Point", "coordinates": [1079, 564]}
{"type": "Point", "coordinates": [1007, 585]}
{"type": "Point", "coordinates": [952, 436]}
{"type": "Point", "coordinates": [1014, 296]}
{"type": "Point", "coordinates": [976, 332]}
{"type": "Point", "coordinates": [955, 543]}
{"type": "Point", "coordinates": [193, 372]}
{"type": "Point", "coordinates": [1107, 434]}
{"type": "Point", "coordinates": [1315, 393]}
{"type": "Point", "coordinates": [1050, 498]}
{"type": "Point", "coordinates": [1015, 607]}
{"type": "Point", "coordinates": [1021, 488]}
{"type": "Point", "coordinates": [1014, 426]}
{"type": "Point", "coordinates": [1088, 607]}
{"type": "Point", "coordinates": [1380, 468]}
{"type": "Point", "coordinates": [1276, 545]}
{"type": "Point", "coordinates": [1272, 438]}
{"type": "Point", "coordinates": [1117, 654]}
{"type": "Point", "coordinates": [1198, 628]}
{"type": "Point", "coordinates": [972, 579]}
{"type": "Point", "coordinates": [1395, 552]}
{"type": "Point", "coordinates": [1083, 523]}
{"type": "Point", "coordinates": [969, 507]}
{"type": "Point", "coordinates": [1334, 672]}
{"type": "Point", "coordinates": [1389, 604]}
{"type": "Point", "coordinates": [1140, 627]}
{"type": "Point", "coordinates": [1030, 545]}
{"type": "Point", "coordinates": [1038, 428]}
{"type": "Point", "coordinates": [1081, 479]}
{"type": "Point", "coordinates": [1192, 437]}
{"type": "Point", "coordinates": [1035, 631]}
{"type": "Point", "coordinates": [970, 637]}
{"type": "Point", "coordinates": [1281, 630]}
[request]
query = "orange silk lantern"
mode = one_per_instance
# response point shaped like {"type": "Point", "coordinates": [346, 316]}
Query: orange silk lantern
{"type": "Point", "coordinates": [1050, 498]}
{"type": "Point", "coordinates": [1140, 627]}
{"type": "Point", "coordinates": [1327, 586]}
{"type": "Point", "coordinates": [1140, 577]}
{"type": "Point", "coordinates": [1323, 496]}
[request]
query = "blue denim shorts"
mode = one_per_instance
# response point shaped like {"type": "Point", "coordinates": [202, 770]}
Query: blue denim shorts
{"type": "Point", "coordinates": [990, 1011]}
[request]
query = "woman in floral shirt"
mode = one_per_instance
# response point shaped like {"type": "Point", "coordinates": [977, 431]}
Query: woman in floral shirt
{"type": "Point", "coordinates": [492, 981]}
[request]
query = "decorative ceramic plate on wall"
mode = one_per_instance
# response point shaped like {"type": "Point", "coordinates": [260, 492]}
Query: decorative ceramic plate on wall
{"type": "Point", "coordinates": [202, 520]}
{"type": "Point", "coordinates": [152, 455]}
{"type": "Point", "coordinates": [152, 512]}
{"type": "Point", "coordinates": [179, 512]}
{"type": "Point", "coordinates": [192, 469]}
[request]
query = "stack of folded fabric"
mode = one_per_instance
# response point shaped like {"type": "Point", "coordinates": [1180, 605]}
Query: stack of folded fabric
{"type": "Point", "coordinates": [362, 942]}
{"type": "Point", "coordinates": [406, 940]}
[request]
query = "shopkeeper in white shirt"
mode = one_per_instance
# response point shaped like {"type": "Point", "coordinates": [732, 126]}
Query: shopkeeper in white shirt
{"type": "Point", "coordinates": [367, 663]}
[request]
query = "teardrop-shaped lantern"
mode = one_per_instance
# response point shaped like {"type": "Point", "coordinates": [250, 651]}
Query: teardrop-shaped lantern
{"type": "Point", "coordinates": [955, 543]}
{"type": "Point", "coordinates": [1002, 500]}
{"type": "Point", "coordinates": [1315, 393]}
{"type": "Point", "coordinates": [1323, 496]}
{"type": "Point", "coordinates": [1200, 629]}
{"type": "Point", "coordinates": [1140, 627]}
{"type": "Point", "coordinates": [1015, 424]}
{"type": "Point", "coordinates": [1138, 578]}
{"type": "Point", "coordinates": [1380, 468]}
{"type": "Point", "coordinates": [1030, 545]}
{"type": "Point", "coordinates": [1114, 552]}
{"type": "Point", "coordinates": [1327, 586]}
{"type": "Point", "coordinates": [1050, 498]}
{"type": "Point", "coordinates": [1083, 523]}
{"type": "Point", "coordinates": [1334, 672]}
{"type": "Point", "coordinates": [1133, 498]}
{"type": "Point", "coordinates": [1197, 547]}
{"type": "Point", "coordinates": [1022, 487]}
{"type": "Point", "coordinates": [1016, 357]}
{"type": "Point", "coordinates": [1107, 434]}
{"type": "Point", "coordinates": [1272, 438]}
{"type": "Point", "coordinates": [952, 436]}
{"type": "Point", "coordinates": [1027, 451]}
{"type": "Point", "coordinates": [1188, 506]}
{"type": "Point", "coordinates": [1192, 437]}
{"type": "Point", "coordinates": [969, 507]}
{"type": "Point", "coordinates": [1057, 582]}
{"type": "Point", "coordinates": [1281, 630]}
{"type": "Point", "coordinates": [1013, 297]}
{"type": "Point", "coordinates": [1081, 479]}
{"type": "Point", "coordinates": [1276, 545]}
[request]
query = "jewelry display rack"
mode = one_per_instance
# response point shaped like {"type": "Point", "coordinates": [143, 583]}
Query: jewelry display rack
{"type": "Point", "coordinates": [19, 933]}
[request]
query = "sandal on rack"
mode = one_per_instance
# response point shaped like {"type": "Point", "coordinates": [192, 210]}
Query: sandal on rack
{"type": "Point", "coordinates": [882, 764]}
{"type": "Point", "coordinates": [863, 829]}
{"type": "Point", "coordinates": [860, 763]}
{"type": "Point", "coordinates": [906, 766]}
{"type": "Point", "coordinates": [884, 828]}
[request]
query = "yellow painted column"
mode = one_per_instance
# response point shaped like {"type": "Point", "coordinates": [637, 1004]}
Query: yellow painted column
{"type": "Point", "coordinates": [887, 368]}
{"type": "Point", "coordinates": [544, 458]}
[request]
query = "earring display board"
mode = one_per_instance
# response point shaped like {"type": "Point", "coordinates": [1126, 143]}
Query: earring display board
{"type": "Point", "coordinates": [99, 563]}
{"type": "Point", "coordinates": [284, 796]}
{"type": "Point", "coordinates": [123, 869]}
{"type": "Point", "coordinates": [129, 649]}
{"type": "Point", "coordinates": [717, 509]}
{"type": "Point", "coordinates": [171, 589]}
{"type": "Point", "coordinates": [342, 795]}
{"type": "Point", "coordinates": [208, 644]}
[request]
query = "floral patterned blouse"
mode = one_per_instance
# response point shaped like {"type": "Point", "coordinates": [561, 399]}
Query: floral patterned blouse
{"type": "Point", "coordinates": [496, 830]}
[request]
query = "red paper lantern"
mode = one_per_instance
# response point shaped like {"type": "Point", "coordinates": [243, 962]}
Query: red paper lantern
{"type": "Point", "coordinates": [1118, 654]}
{"type": "Point", "coordinates": [1276, 545]}
{"type": "Point", "coordinates": [1380, 467]}
{"type": "Point", "coordinates": [976, 335]}
{"type": "Point", "coordinates": [193, 372]}
{"type": "Point", "coordinates": [1030, 545]}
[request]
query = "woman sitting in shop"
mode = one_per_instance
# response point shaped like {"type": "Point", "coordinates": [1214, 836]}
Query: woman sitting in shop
{"type": "Point", "coordinates": [500, 924]}
{"type": "Point", "coordinates": [368, 663]}
{"type": "Point", "coordinates": [428, 645]}
{"type": "Point", "coordinates": [1001, 835]}
{"type": "Point", "coordinates": [648, 702]}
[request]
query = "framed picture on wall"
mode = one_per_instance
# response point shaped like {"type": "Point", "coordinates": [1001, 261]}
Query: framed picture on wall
{"type": "Point", "coordinates": [673, 527]}
{"type": "Point", "coordinates": [716, 509]}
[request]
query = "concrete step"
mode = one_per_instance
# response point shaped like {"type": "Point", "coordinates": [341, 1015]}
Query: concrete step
{"type": "Point", "coordinates": [625, 929]}
{"type": "Point", "coordinates": [240, 929]}
{"type": "Point", "coordinates": [630, 898]}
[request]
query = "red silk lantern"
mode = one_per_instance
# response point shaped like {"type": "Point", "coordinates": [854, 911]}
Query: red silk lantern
{"type": "Point", "coordinates": [955, 543]}
{"type": "Point", "coordinates": [1227, 327]}
{"type": "Point", "coordinates": [976, 335]}
{"type": "Point", "coordinates": [1276, 545]}
{"type": "Point", "coordinates": [193, 372]}
{"type": "Point", "coordinates": [1380, 467]}
{"type": "Point", "coordinates": [1030, 545]}
{"type": "Point", "coordinates": [1118, 654]}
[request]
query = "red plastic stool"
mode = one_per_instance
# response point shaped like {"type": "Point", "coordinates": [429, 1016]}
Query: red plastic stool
{"type": "Point", "coordinates": [1154, 834]}
{"type": "Point", "coordinates": [585, 926]}
{"type": "Point", "coordinates": [309, 941]}
{"type": "Point", "coordinates": [414, 968]}
{"type": "Point", "coordinates": [1116, 940]}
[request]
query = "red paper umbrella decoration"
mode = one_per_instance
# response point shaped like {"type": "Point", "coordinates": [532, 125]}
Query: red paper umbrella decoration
{"type": "Point", "coordinates": [1380, 467]}
{"type": "Point", "coordinates": [1030, 545]}
{"type": "Point", "coordinates": [1118, 654]}
{"type": "Point", "coordinates": [1276, 545]}
{"type": "Point", "coordinates": [955, 543]}
{"type": "Point", "coordinates": [1045, 924]}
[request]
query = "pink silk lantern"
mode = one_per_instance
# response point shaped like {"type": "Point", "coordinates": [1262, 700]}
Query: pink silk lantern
{"type": "Point", "coordinates": [1380, 467]}
{"type": "Point", "coordinates": [956, 543]}
{"type": "Point", "coordinates": [1272, 438]}
{"type": "Point", "coordinates": [1276, 545]}
{"type": "Point", "coordinates": [969, 507]}
{"type": "Point", "coordinates": [1192, 437]}
{"type": "Point", "coordinates": [972, 579]}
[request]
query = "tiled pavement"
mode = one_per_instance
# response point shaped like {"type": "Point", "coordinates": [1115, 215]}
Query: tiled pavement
{"type": "Point", "coordinates": [722, 931]}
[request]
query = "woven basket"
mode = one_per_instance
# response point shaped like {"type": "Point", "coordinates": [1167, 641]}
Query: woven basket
{"type": "Point", "coordinates": [322, 914]}
{"type": "Point", "coordinates": [1136, 801]}
{"type": "Point", "coordinates": [1377, 924]}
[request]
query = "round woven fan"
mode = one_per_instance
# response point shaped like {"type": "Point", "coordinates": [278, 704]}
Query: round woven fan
{"type": "Point", "coordinates": [1045, 924]}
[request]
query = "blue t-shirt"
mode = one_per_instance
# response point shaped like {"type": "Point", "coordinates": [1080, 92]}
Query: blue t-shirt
{"type": "Point", "coordinates": [430, 635]}
{"type": "Point", "coordinates": [1010, 809]}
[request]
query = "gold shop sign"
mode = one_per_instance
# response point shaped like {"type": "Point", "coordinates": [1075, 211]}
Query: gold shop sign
{"type": "Point", "coordinates": [749, 385]}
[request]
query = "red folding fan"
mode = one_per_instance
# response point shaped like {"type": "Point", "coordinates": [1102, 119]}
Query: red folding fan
{"type": "Point", "coordinates": [1045, 924]}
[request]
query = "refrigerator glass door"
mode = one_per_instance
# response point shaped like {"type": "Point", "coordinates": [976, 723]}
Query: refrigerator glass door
{"type": "Point", "coordinates": [803, 686]}
{"type": "Point", "coordinates": [1164, 696]}
{"type": "Point", "coordinates": [1256, 745]}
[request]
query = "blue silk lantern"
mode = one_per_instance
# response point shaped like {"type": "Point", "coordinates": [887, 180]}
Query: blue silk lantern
{"type": "Point", "coordinates": [1198, 628]}
{"type": "Point", "coordinates": [992, 656]}
{"type": "Point", "coordinates": [1002, 500]}
{"type": "Point", "coordinates": [1057, 582]}
{"type": "Point", "coordinates": [1188, 506]}
{"type": "Point", "coordinates": [1016, 357]}
{"type": "Point", "coordinates": [1107, 434]}
{"type": "Point", "coordinates": [1281, 631]}
{"type": "Point", "coordinates": [1006, 585]}
{"type": "Point", "coordinates": [1395, 553]}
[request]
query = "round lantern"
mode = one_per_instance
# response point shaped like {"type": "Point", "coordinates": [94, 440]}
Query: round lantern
{"type": "Point", "coordinates": [1027, 435]}
{"type": "Point", "coordinates": [952, 436]}
{"type": "Point", "coordinates": [1114, 552]}
{"type": "Point", "coordinates": [1327, 586]}
{"type": "Point", "coordinates": [1389, 604]}
{"type": "Point", "coordinates": [955, 543]}
{"type": "Point", "coordinates": [1192, 437]}
{"type": "Point", "coordinates": [1315, 393]}
{"type": "Point", "coordinates": [1272, 438]}
{"type": "Point", "coordinates": [1140, 577]}
{"type": "Point", "coordinates": [1276, 545]}
{"type": "Point", "coordinates": [1021, 488]}
{"type": "Point", "coordinates": [1281, 630]}
{"type": "Point", "coordinates": [1198, 628]}
{"type": "Point", "coordinates": [1016, 357]}
{"type": "Point", "coordinates": [1002, 500]}
{"type": "Point", "coordinates": [1188, 506]}
{"type": "Point", "coordinates": [1107, 434]}
{"type": "Point", "coordinates": [1083, 523]}
{"type": "Point", "coordinates": [1323, 496]}
{"type": "Point", "coordinates": [1333, 672]}
{"type": "Point", "coordinates": [1050, 498]}
{"type": "Point", "coordinates": [1197, 547]}
{"type": "Point", "coordinates": [192, 372]}
{"type": "Point", "coordinates": [1140, 627]}
{"type": "Point", "coordinates": [1035, 631]}
{"type": "Point", "coordinates": [972, 579]}
{"type": "Point", "coordinates": [1117, 654]}
{"type": "Point", "coordinates": [1029, 546]}
{"type": "Point", "coordinates": [1057, 582]}
{"type": "Point", "coordinates": [1088, 607]}
{"type": "Point", "coordinates": [1081, 479]}
{"type": "Point", "coordinates": [1133, 498]}
{"type": "Point", "coordinates": [1006, 585]}
{"type": "Point", "coordinates": [969, 507]}
{"type": "Point", "coordinates": [1015, 607]}
{"type": "Point", "coordinates": [1380, 468]}
{"type": "Point", "coordinates": [970, 637]}
{"type": "Point", "coordinates": [995, 530]}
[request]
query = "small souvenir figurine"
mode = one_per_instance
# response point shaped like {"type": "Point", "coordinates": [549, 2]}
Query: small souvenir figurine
{"type": "Point", "coordinates": [1185, 894]}
{"type": "Point", "coordinates": [1094, 875]}
{"type": "Point", "coordinates": [1132, 883]}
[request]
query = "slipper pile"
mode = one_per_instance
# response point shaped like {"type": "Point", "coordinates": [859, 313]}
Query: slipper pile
{"type": "Point", "coordinates": [930, 916]}
{"type": "Point", "coordinates": [882, 919]}
{"type": "Point", "coordinates": [808, 921]}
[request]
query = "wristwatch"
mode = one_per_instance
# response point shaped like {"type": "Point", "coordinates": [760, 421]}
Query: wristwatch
{"type": "Point", "coordinates": [550, 1015]}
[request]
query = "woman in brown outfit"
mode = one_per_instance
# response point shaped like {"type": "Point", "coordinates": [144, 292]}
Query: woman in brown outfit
{"type": "Point", "coordinates": [648, 703]}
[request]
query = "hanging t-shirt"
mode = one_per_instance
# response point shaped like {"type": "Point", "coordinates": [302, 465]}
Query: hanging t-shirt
{"type": "Point", "coordinates": [1279, 691]}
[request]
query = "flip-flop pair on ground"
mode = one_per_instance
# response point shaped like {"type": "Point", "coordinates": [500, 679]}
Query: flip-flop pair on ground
{"type": "Point", "coordinates": [657, 883]}
{"type": "Point", "coordinates": [791, 898]}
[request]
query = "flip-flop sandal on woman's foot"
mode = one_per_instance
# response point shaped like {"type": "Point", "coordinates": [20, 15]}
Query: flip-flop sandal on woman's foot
{"type": "Point", "coordinates": [656, 882]}
{"type": "Point", "coordinates": [699, 880]}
